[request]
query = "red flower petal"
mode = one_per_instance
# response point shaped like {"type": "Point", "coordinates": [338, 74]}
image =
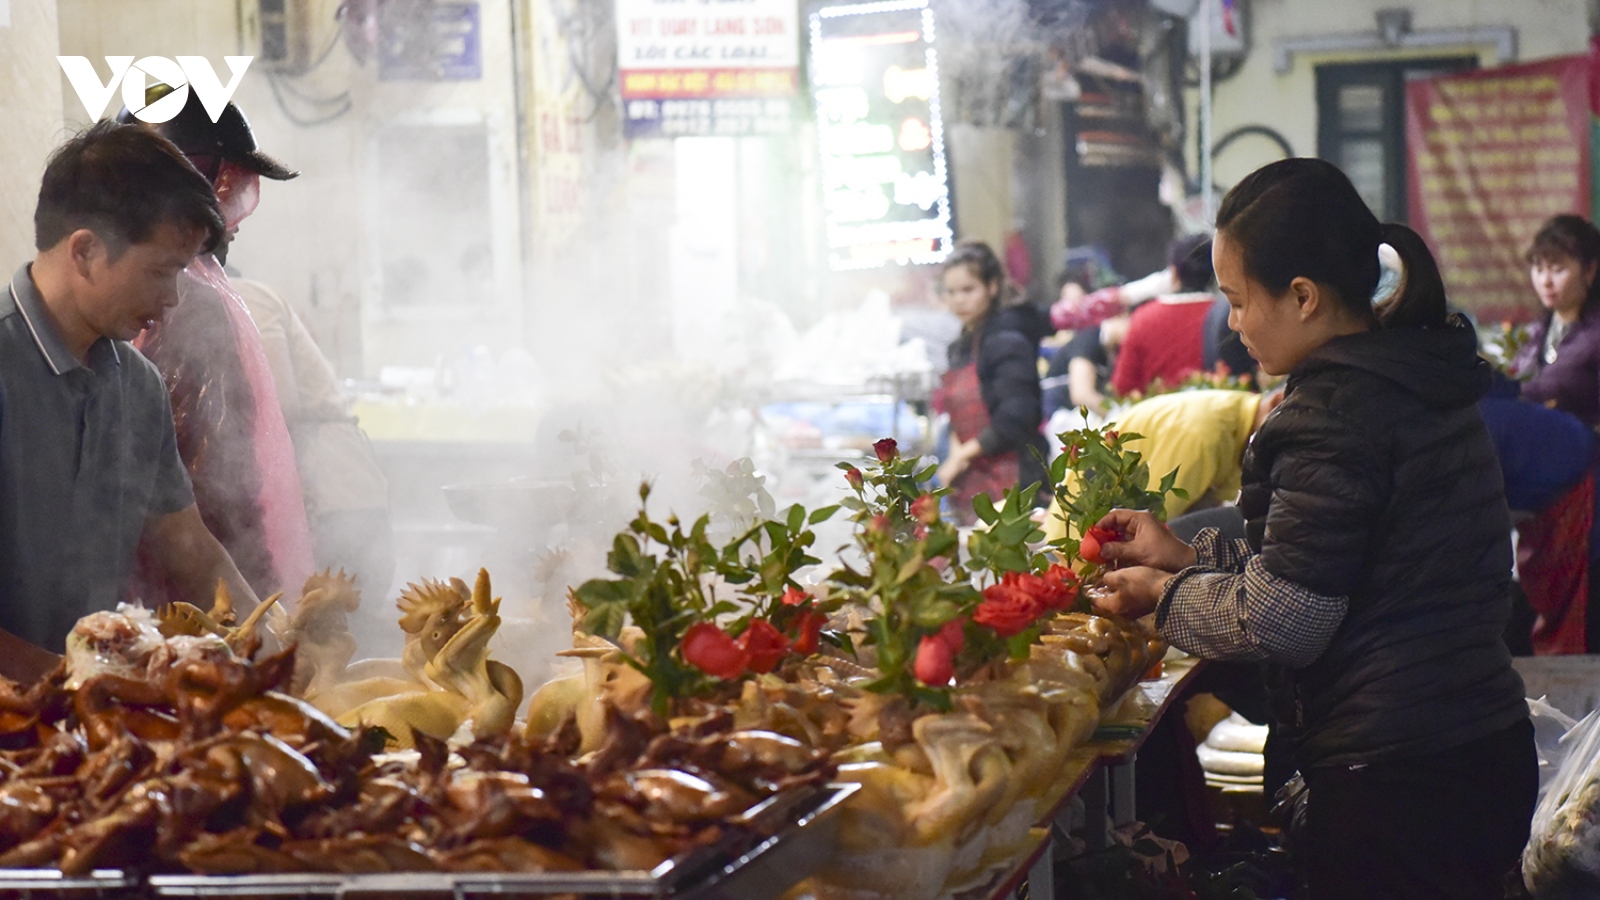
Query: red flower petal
{"type": "Point", "coordinates": [807, 629]}
{"type": "Point", "coordinates": [711, 650]}
{"type": "Point", "coordinates": [935, 664]}
{"type": "Point", "coordinates": [954, 635]}
{"type": "Point", "coordinates": [765, 645]}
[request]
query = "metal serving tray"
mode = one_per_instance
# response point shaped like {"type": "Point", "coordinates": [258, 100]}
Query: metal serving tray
{"type": "Point", "coordinates": [28, 884]}
{"type": "Point", "coordinates": [784, 839]}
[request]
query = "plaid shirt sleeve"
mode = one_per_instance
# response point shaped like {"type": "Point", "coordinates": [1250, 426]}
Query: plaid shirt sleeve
{"type": "Point", "coordinates": [1229, 607]}
{"type": "Point", "coordinates": [1214, 553]}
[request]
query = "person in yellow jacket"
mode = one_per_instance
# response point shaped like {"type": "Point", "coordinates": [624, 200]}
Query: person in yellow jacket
{"type": "Point", "coordinates": [1201, 434]}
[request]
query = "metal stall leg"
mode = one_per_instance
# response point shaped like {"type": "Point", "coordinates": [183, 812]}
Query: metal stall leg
{"type": "Point", "coordinates": [1122, 810]}
{"type": "Point", "coordinates": [1095, 796]}
{"type": "Point", "coordinates": [1042, 877]}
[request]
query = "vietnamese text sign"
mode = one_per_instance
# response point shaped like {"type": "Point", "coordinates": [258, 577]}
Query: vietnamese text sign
{"type": "Point", "coordinates": [1490, 156]}
{"type": "Point", "coordinates": [886, 195]}
{"type": "Point", "coordinates": [708, 67]}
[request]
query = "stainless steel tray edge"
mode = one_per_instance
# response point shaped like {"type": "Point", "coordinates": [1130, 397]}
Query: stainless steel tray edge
{"type": "Point", "coordinates": [770, 868]}
{"type": "Point", "coordinates": [762, 872]}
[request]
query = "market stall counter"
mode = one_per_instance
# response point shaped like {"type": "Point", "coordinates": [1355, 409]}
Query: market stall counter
{"type": "Point", "coordinates": [1101, 773]}
{"type": "Point", "coordinates": [899, 728]}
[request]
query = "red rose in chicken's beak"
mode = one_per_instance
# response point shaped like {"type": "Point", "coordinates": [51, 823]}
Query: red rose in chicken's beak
{"type": "Point", "coordinates": [1007, 609]}
{"type": "Point", "coordinates": [954, 635]}
{"type": "Point", "coordinates": [808, 629]}
{"type": "Point", "coordinates": [935, 664]}
{"type": "Point", "coordinates": [1069, 585]}
{"type": "Point", "coordinates": [765, 645]}
{"type": "Point", "coordinates": [710, 649]}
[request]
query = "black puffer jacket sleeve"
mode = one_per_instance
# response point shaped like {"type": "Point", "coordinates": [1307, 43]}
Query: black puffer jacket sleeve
{"type": "Point", "coordinates": [1008, 374]}
{"type": "Point", "coordinates": [1330, 482]}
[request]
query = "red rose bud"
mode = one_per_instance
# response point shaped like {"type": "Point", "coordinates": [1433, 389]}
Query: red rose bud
{"type": "Point", "coordinates": [886, 449]}
{"type": "Point", "coordinates": [954, 635]}
{"type": "Point", "coordinates": [1089, 550]}
{"type": "Point", "coordinates": [935, 664]}
{"type": "Point", "coordinates": [794, 597]}
{"type": "Point", "coordinates": [710, 649]}
{"type": "Point", "coordinates": [765, 645]}
{"type": "Point", "coordinates": [1089, 547]}
{"type": "Point", "coordinates": [1111, 436]}
{"type": "Point", "coordinates": [925, 509]}
{"type": "Point", "coordinates": [807, 629]}
{"type": "Point", "coordinates": [920, 532]}
{"type": "Point", "coordinates": [1007, 610]}
{"type": "Point", "coordinates": [1072, 453]}
{"type": "Point", "coordinates": [1105, 534]}
{"type": "Point", "coordinates": [879, 524]}
{"type": "Point", "coordinates": [853, 475]}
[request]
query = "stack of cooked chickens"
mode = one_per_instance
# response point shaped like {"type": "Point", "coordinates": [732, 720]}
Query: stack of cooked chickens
{"type": "Point", "coordinates": [163, 744]}
{"type": "Point", "coordinates": [169, 742]}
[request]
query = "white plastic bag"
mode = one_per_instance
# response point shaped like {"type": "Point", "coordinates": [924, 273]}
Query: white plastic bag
{"type": "Point", "coordinates": [1550, 725]}
{"type": "Point", "coordinates": [1562, 858]}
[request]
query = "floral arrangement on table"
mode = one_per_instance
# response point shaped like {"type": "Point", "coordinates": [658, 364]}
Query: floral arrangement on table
{"type": "Point", "coordinates": [671, 600]}
{"type": "Point", "coordinates": [1501, 342]}
{"type": "Point", "coordinates": [934, 614]}
{"type": "Point", "coordinates": [1222, 379]}
{"type": "Point", "coordinates": [951, 678]}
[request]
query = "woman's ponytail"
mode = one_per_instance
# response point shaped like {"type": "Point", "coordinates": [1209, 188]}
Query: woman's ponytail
{"type": "Point", "coordinates": [1420, 301]}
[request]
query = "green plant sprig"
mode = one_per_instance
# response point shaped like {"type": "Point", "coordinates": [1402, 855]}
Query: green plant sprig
{"type": "Point", "coordinates": [764, 559]}
{"type": "Point", "coordinates": [1106, 476]}
{"type": "Point", "coordinates": [914, 582]}
{"type": "Point", "coordinates": [1007, 542]}
{"type": "Point", "coordinates": [663, 597]}
{"type": "Point", "coordinates": [661, 586]}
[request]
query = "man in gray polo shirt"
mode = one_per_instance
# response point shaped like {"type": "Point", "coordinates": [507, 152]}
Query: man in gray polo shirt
{"type": "Point", "coordinates": [89, 467]}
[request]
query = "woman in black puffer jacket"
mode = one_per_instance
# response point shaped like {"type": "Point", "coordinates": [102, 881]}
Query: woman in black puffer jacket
{"type": "Point", "coordinates": [991, 391]}
{"type": "Point", "coordinates": [1374, 580]}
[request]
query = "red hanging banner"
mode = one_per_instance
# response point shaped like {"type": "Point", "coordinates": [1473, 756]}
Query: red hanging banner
{"type": "Point", "coordinates": [1490, 156]}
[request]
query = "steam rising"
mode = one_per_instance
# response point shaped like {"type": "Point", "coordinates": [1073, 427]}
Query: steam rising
{"type": "Point", "coordinates": [673, 318]}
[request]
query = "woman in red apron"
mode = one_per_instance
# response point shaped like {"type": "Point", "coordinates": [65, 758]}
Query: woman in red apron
{"type": "Point", "coordinates": [991, 391]}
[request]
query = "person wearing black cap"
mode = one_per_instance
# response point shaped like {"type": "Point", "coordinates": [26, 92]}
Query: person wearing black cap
{"type": "Point", "coordinates": [88, 463]}
{"type": "Point", "coordinates": [231, 431]}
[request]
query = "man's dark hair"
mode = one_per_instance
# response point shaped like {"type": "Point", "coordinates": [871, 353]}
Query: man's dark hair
{"type": "Point", "coordinates": [121, 182]}
{"type": "Point", "coordinates": [1191, 257]}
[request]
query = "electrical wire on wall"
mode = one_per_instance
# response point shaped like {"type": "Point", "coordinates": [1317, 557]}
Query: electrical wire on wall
{"type": "Point", "coordinates": [1242, 131]}
{"type": "Point", "coordinates": [326, 109]}
{"type": "Point", "coordinates": [588, 29]}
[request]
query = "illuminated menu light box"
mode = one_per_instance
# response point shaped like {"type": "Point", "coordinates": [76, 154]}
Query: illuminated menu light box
{"type": "Point", "coordinates": [886, 187]}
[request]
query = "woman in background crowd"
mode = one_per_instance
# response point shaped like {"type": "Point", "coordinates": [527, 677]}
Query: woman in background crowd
{"type": "Point", "coordinates": [1080, 371]}
{"type": "Point", "coordinates": [991, 391]}
{"type": "Point", "coordinates": [1563, 350]}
